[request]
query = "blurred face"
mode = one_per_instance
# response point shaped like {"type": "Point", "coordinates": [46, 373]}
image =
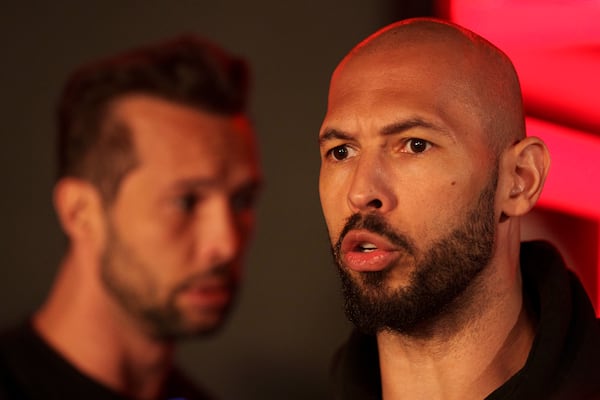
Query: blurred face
{"type": "Point", "coordinates": [182, 217]}
{"type": "Point", "coordinates": [407, 187]}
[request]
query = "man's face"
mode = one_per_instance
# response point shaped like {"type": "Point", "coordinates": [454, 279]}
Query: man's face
{"type": "Point", "coordinates": [182, 217]}
{"type": "Point", "coordinates": [407, 186]}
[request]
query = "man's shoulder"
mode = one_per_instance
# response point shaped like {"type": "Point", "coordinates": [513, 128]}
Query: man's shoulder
{"type": "Point", "coordinates": [179, 385]}
{"type": "Point", "coordinates": [30, 369]}
{"type": "Point", "coordinates": [565, 358]}
{"type": "Point", "coordinates": [14, 340]}
{"type": "Point", "coordinates": [13, 352]}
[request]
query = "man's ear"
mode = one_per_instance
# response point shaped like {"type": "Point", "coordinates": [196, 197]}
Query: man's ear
{"type": "Point", "coordinates": [79, 207]}
{"type": "Point", "coordinates": [524, 167]}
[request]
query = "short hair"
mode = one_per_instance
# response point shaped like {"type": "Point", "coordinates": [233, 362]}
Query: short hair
{"type": "Point", "coordinates": [186, 70]}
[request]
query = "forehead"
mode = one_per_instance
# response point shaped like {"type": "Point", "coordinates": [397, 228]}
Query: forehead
{"type": "Point", "coordinates": [170, 138]}
{"type": "Point", "coordinates": [428, 81]}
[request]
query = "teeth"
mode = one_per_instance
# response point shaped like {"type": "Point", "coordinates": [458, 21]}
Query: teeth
{"type": "Point", "coordinates": [367, 247]}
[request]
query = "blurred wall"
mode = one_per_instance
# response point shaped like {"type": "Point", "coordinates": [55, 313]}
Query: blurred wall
{"type": "Point", "coordinates": [289, 320]}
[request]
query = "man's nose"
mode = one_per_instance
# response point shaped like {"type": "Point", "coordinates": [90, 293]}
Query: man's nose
{"type": "Point", "coordinates": [219, 240]}
{"type": "Point", "coordinates": [371, 189]}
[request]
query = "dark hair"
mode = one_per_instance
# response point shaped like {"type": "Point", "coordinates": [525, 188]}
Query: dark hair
{"type": "Point", "coordinates": [186, 70]}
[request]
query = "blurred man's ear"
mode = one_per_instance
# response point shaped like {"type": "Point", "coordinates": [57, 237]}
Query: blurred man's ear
{"type": "Point", "coordinates": [80, 211]}
{"type": "Point", "coordinates": [524, 167]}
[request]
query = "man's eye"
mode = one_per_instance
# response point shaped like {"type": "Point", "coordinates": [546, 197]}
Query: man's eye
{"type": "Point", "coordinates": [416, 145]}
{"type": "Point", "coordinates": [244, 200]}
{"type": "Point", "coordinates": [339, 153]}
{"type": "Point", "coordinates": [187, 203]}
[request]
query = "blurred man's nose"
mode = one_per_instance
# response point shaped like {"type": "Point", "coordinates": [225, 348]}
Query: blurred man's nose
{"type": "Point", "coordinates": [218, 240]}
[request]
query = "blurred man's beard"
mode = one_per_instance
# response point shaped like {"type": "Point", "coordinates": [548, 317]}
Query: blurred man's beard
{"type": "Point", "coordinates": [131, 283]}
{"type": "Point", "coordinates": [438, 282]}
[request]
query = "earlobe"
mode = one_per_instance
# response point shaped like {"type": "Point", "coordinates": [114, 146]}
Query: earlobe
{"type": "Point", "coordinates": [525, 166]}
{"type": "Point", "coordinates": [77, 204]}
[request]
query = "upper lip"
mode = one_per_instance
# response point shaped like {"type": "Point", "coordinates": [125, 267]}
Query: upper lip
{"type": "Point", "coordinates": [356, 239]}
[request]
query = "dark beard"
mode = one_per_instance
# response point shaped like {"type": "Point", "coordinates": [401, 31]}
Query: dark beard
{"type": "Point", "coordinates": [437, 286]}
{"type": "Point", "coordinates": [162, 322]}
{"type": "Point", "coordinates": [162, 319]}
{"type": "Point", "coordinates": [168, 323]}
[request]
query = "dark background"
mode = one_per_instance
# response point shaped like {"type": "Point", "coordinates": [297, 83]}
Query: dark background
{"type": "Point", "coordinates": [289, 321]}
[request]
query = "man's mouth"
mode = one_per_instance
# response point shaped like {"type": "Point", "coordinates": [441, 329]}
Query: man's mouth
{"type": "Point", "coordinates": [365, 251]}
{"type": "Point", "coordinates": [209, 292]}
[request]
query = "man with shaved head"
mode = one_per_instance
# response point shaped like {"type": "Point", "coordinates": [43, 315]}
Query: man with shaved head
{"type": "Point", "coordinates": [425, 172]}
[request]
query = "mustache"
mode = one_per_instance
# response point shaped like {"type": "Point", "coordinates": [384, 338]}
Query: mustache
{"type": "Point", "coordinates": [374, 223]}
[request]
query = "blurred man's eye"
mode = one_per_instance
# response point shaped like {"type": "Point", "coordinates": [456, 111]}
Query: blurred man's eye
{"type": "Point", "coordinates": [243, 200]}
{"type": "Point", "coordinates": [188, 202]}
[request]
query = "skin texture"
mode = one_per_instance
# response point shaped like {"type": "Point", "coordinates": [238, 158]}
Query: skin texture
{"type": "Point", "coordinates": [419, 117]}
{"type": "Point", "coordinates": [161, 261]}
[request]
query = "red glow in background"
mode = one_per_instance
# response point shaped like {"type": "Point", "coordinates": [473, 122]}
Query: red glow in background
{"type": "Point", "coordinates": [555, 46]}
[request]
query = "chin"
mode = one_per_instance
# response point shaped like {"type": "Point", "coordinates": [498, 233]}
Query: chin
{"type": "Point", "coordinates": [204, 326]}
{"type": "Point", "coordinates": [187, 326]}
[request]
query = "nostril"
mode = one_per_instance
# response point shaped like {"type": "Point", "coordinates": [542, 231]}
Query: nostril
{"type": "Point", "coordinates": [375, 203]}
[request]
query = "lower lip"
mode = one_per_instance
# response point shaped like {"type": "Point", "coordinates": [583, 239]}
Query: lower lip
{"type": "Point", "coordinates": [373, 261]}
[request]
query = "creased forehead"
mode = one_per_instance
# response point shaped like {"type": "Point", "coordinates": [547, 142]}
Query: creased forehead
{"type": "Point", "coordinates": [457, 57]}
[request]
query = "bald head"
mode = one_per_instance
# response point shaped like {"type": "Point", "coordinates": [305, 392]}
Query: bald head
{"type": "Point", "coordinates": [424, 175]}
{"type": "Point", "coordinates": [464, 70]}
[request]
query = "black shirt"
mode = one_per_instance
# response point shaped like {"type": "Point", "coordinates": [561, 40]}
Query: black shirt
{"type": "Point", "coordinates": [564, 361]}
{"type": "Point", "coordinates": [32, 370]}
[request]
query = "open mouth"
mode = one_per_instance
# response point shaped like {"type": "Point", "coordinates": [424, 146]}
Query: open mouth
{"type": "Point", "coordinates": [365, 247]}
{"type": "Point", "coordinates": [363, 251]}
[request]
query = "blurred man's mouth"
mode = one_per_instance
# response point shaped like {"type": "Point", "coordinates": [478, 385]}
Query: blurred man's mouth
{"type": "Point", "coordinates": [212, 296]}
{"type": "Point", "coordinates": [207, 292]}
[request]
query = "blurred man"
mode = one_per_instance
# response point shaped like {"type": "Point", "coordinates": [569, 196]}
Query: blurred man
{"type": "Point", "coordinates": [426, 171]}
{"type": "Point", "coordinates": [158, 173]}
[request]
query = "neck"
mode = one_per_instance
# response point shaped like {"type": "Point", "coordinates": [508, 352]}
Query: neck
{"type": "Point", "coordinates": [89, 330]}
{"type": "Point", "coordinates": [489, 342]}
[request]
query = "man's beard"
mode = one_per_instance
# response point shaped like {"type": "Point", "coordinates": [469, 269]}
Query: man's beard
{"type": "Point", "coordinates": [438, 284]}
{"type": "Point", "coordinates": [136, 290]}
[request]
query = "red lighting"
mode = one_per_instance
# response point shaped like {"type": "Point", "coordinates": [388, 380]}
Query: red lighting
{"type": "Point", "coordinates": [555, 46]}
{"type": "Point", "coordinates": [572, 185]}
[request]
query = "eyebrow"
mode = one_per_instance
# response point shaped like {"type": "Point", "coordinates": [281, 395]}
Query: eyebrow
{"type": "Point", "coordinates": [411, 123]}
{"type": "Point", "coordinates": [252, 183]}
{"type": "Point", "coordinates": [391, 129]}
